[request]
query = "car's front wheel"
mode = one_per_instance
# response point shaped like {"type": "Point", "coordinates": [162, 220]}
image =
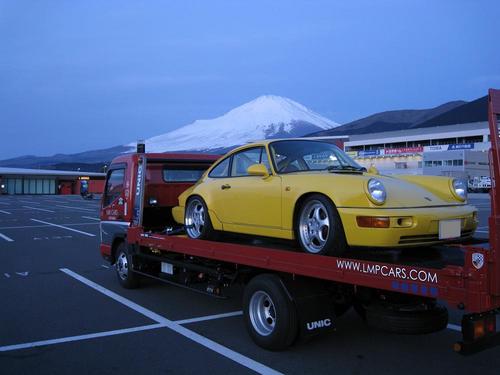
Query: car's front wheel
{"type": "Point", "coordinates": [196, 219]}
{"type": "Point", "coordinates": [318, 227]}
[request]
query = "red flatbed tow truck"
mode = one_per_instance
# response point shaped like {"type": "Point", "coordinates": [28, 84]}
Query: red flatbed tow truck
{"type": "Point", "coordinates": [289, 294]}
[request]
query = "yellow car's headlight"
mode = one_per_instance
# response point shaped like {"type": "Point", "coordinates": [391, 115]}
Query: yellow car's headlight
{"type": "Point", "coordinates": [376, 191]}
{"type": "Point", "coordinates": [459, 189]}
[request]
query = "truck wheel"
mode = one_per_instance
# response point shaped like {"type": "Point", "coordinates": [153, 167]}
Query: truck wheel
{"type": "Point", "coordinates": [196, 219]}
{"type": "Point", "coordinates": [318, 227]}
{"type": "Point", "coordinates": [270, 316]}
{"type": "Point", "coordinates": [411, 321]}
{"type": "Point", "coordinates": [123, 265]}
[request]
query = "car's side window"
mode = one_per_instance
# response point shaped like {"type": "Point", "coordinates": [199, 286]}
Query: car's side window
{"type": "Point", "coordinates": [265, 160]}
{"type": "Point", "coordinates": [114, 186]}
{"type": "Point", "coordinates": [243, 159]}
{"type": "Point", "coordinates": [221, 170]}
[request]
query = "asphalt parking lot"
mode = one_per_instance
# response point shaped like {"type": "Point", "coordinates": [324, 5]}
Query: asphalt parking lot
{"type": "Point", "coordinates": [63, 311]}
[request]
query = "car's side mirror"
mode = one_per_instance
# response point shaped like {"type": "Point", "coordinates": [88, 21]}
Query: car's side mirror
{"type": "Point", "coordinates": [258, 170]}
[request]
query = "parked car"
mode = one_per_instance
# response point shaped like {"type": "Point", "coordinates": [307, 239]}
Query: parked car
{"type": "Point", "coordinates": [311, 191]}
{"type": "Point", "coordinates": [479, 184]}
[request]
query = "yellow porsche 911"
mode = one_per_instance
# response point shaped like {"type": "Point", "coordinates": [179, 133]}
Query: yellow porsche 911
{"type": "Point", "coordinates": [311, 191]}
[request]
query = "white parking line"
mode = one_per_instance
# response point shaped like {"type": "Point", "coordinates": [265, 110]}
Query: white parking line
{"type": "Point", "coordinates": [45, 226]}
{"type": "Point", "coordinates": [209, 317]}
{"type": "Point", "coordinates": [91, 218]}
{"type": "Point", "coordinates": [454, 327]}
{"type": "Point", "coordinates": [8, 239]}
{"type": "Point", "coordinates": [39, 209]}
{"type": "Point", "coordinates": [34, 344]}
{"type": "Point", "coordinates": [75, 208]}
{"type": "Point", "coordinates": [202, 340]}
{"type": "Point", "coordinates": [5, 212]}
{"type": "Point", "coordinates": [29, 202]}
{"type": "Point", "coordinates": [63, 227]}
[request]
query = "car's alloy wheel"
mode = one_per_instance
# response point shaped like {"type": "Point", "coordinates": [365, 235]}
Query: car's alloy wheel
{"type": "Point", "coordinates": [196, 219]}
{"type": "Point", "coordinates": [318, 227]}
{"type": "Point", "coordinates": [314, 226]}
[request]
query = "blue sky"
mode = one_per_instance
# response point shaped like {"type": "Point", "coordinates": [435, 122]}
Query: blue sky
{"type": "Point", "coordinates": [82, 75]}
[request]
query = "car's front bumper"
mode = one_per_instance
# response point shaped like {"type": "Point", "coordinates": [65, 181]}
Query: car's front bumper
{"type": "Point", "coordinates": [424, 228]}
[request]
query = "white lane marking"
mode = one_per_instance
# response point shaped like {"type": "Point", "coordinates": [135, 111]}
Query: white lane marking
{"type": "Point", "coordinates": [45, 226]}
{"type": "Point", "coordinates": [207, 343]}
{"type": "Point", "coordinates": [209, 317]}
{"type": "Point", "coordinates": [5, 212]}
{"type": "Point", "coordinates": [454, 327]}
{"type": "Point", "coordinates": [63, 227]}
{"type": "Point", "coordinates": [6, 204]}
{"type": "Point", "coordinates": [6, 275]}
{"type": "Point", "coordinates": [104, 266]}
{"type": "Point", "coordinates": [76, 208]}
{"type": "Point", "coordinates": [39, 209]}
{"type": "Point", "coordinates": [8, 239]}
{"type": "Point", "coordinates": [30, 202]}
{"type": "Point", "coordinates": [91, 218]}
{"type": "Point", "coordinates": [24, 274]}
{"type": "Point", "coordinates": [34, 344]}
{"type": "Point", "coordinates": [482, 231]}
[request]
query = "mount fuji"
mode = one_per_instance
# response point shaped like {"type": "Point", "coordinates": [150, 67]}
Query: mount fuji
{"type": "Point", "coordinates": [266, 117]}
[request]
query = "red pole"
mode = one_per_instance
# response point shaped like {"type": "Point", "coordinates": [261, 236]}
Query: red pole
{"type": "Point", "coordinates": [494, 219]}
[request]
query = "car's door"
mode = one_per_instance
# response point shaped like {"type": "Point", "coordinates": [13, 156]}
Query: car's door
{"type": "Point", "coordinates": [251, 202]}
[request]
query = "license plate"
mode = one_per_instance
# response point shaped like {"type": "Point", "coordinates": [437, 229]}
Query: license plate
{"type": "Point", "coordinates": [449, 229]}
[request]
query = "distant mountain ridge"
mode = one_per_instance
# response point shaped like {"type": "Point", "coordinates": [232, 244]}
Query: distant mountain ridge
{"type": "Point", "coordinates": [451, 113]}
{"type": "Point", "coordinates": [265, 117]}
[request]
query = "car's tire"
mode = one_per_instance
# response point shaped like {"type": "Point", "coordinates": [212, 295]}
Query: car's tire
{"type": "Point", "coordinates": [270, 316]}
{"type": "Point", "coordinates": [197, 220]}
{"type": "Point", "coordinates": [123, 266]}
{"type": "Point", "coordinates": [389, 319]}
{"type": "Point", "coordinates": [318, 227]}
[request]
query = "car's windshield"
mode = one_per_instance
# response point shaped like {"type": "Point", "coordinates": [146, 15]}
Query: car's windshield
{"type": "Point", "coordinates": [297, 156]}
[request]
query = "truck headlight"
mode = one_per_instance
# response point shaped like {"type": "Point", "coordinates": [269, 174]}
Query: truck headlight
{"type": "Point", "coordinates": [376, 191]}
{"type": "Point", "coordinates": [459, 189]}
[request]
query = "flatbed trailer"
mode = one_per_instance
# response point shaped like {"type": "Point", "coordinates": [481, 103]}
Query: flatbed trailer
{"type": "Point", "coordinates": [396, 289]}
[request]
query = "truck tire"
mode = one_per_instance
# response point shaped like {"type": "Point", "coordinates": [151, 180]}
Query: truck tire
{"type": "Point", "coordinates": [197, 220]}
{"type": "Point", "coordinates": [318, 227]}
{"type": "Point", "coordinates": [270, 316]}
{"type": "Point", "coordinates": [123, 266]}
{"type": "Point", "coordinates": [389, 319]}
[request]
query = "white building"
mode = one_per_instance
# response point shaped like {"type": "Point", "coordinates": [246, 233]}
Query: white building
{"type": "Point", "coordinates": [454, 150]}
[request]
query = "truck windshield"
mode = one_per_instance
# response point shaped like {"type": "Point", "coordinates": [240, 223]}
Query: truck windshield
{"type": "Point", "coordinates": [307, 155]}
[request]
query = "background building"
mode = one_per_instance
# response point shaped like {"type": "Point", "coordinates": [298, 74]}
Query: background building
{"type": "Point", "coordinates": [452, 150]}
{"type": "Point", "coordinates": [42, 181]}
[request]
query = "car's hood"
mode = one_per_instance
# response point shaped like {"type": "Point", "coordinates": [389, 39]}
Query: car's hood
{"type": "Point", "coordinates": [350, 189]}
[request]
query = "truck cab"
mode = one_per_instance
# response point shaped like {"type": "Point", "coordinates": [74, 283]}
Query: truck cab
{"type": "Point", "coordinates": [164, 175]}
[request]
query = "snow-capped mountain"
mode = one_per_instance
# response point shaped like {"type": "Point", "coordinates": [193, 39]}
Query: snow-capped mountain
{"type": "Point", "coordinates": [266, 117]}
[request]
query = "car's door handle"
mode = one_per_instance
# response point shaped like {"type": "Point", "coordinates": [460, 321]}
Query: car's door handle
{"type": "Point", "coordinates": [225, 186]}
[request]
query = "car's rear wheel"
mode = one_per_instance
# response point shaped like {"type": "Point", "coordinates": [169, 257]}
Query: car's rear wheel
{"type": "Point", "coordinates": [318, 227]}
{"type": "Point", "coordinates": [196, 219]}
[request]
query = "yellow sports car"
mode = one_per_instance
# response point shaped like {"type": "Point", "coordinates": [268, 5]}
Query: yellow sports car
{"type": "Point", "coordinates": [312, 191]}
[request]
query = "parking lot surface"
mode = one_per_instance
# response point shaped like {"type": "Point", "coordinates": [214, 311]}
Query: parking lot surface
{"type": "Point", "coordinates": [63, 311]}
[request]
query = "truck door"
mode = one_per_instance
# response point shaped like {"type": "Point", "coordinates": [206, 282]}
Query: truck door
{"type": "Point", "coordinates": [113, 212]}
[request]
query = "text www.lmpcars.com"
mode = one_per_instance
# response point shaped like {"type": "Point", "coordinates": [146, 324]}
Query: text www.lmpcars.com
{"type": "Point", "coordinates": [397, 272]}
